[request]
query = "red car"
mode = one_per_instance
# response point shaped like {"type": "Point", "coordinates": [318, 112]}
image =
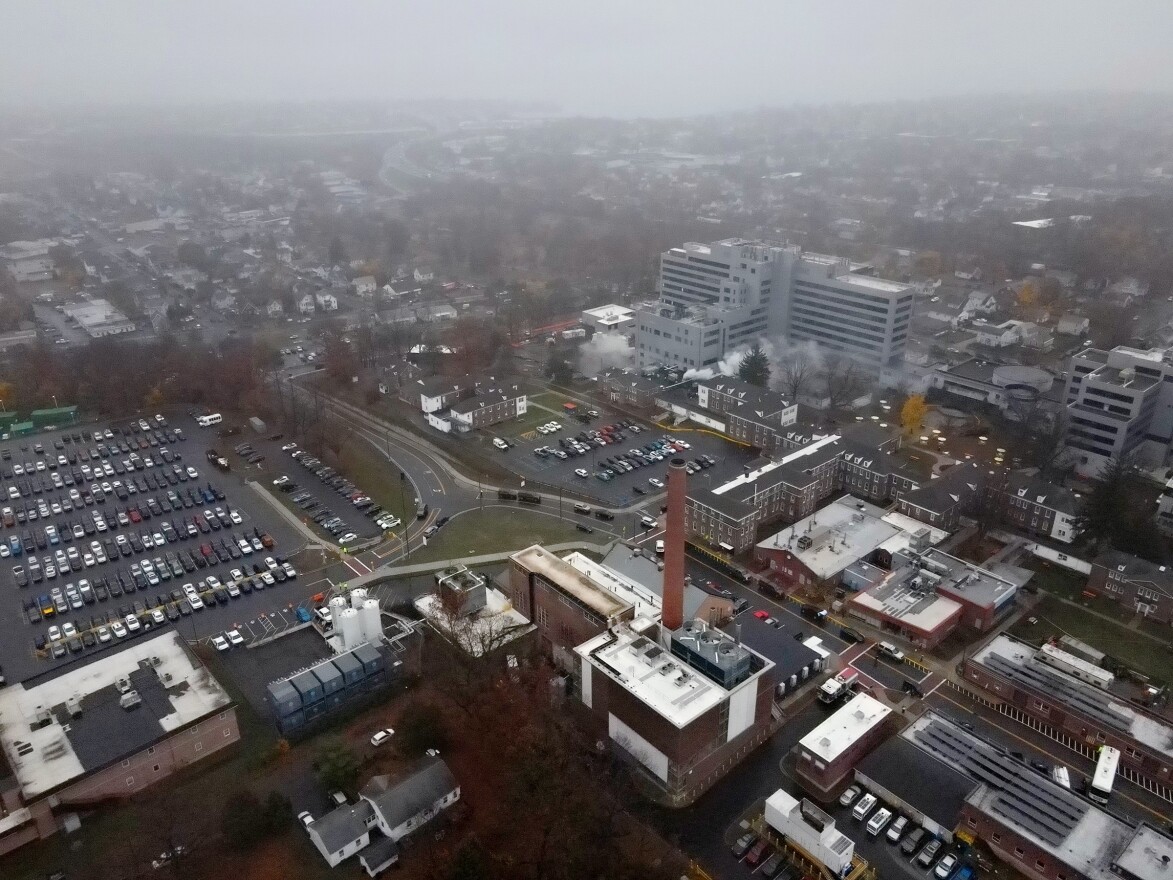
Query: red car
{"type": "Point", "coordinates": [761, 615]}
{"type": "Point", "coordinates": [135, 516]}
{"type": "Point", "coordinates": [757, 853]}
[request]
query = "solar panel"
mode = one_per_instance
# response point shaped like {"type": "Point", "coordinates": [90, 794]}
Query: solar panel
{"type": "Point", "coordinates": [1087, 700]}
{"type": "Point", "coordinates": [1021, 795]}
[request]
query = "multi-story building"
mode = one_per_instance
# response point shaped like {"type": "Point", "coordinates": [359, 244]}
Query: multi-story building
{"type": "Point", "coordinates": [489, 406]}
{"type": "Point", "coordinates": [717, 297]}
{"type": "Point", "coordinates": [1134, 582]}
{"type": "Point", "coordinates": [87, 734]}
{"type": "Point", "coordinates": [1119, 403]}
{"type": "Point", "coordinates": [1037, 507]}
{"type": "Point", "coordinates": [439, 392]}
{"type": "Point", "coordinates": [1036, 688]}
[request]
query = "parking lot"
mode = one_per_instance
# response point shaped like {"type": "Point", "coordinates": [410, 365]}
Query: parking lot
{"type": "Point", "coordinates": [623, 450]}
{"type": "Point", "coordinates": [94, 559]}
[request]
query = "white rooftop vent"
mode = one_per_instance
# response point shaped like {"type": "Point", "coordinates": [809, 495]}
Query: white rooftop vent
{"type": "Point", "coordinates": [129, 700]}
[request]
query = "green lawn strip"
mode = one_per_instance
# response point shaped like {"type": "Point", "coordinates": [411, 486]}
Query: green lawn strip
{"type": "Point", "coordinates": [370, 471]}
{"type": "Point", "coordinates": [496, 530]}
{"type": "Point", "coordinates": [1058, 618]}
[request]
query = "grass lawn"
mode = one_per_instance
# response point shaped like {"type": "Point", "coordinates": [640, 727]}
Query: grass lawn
{"type": "Point", "coordinates": [1059, 618]}
{"type": "Point", "coordinates": [369, 470]}
{"type": "Point", "coordinates": [1060, 581]}
{"type": "Point", "coordinates": [497, 529]}
{"type": "Point", "coordinates": [533, 417]}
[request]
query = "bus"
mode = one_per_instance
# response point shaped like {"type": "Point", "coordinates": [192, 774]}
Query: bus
{"type": "Point", "coordinates": [1101, 788]}
{"type": "Point", "coordinates": [1061, 776]}
{"type": "Point", "coordinates": [209, 420]}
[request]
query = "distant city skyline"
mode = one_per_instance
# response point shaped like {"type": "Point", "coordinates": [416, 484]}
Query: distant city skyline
{"type": "Point", "coordinates": [654, 58]}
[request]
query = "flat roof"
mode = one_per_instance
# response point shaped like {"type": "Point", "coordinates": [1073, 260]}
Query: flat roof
{"type": "Point", "coordinates": [918, 778]}
{"type": "Point", "coordinates": [496, 624]}
{"type": "Point", "coordinates": [95, 313]}
{"type": "Point", "coordinates": [646, 670]}
{"type": "Point", "coordinates": [1016, 661]}
{"type": "Point", "coordinates": [175, 688]}
{"type": "Point", "coordinates": [1148, 855]}
{"type": "Point", "coordinates": [874, 283]}
{"type": "Point", "coordinates": [843, 729]}
{"type": "Point", "coordinates": [767, 471]}
{"type": "Point", "coordinates": [839, 534]}
{"type": "Point", "coordinates": [918, 606]}
{"type": "Point", "coordinates": [566, 577]}
{"type": "Point", "coordinates": [646, 601]}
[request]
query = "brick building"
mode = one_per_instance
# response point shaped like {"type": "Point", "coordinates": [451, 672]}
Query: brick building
{"type": "Point", "coordinates": [82, 735]}
{"type": "Point", "coordinates": [685, 705]}
{"type": "Point", "coordinates": [825, 758]}
{"type": "Point", "coordinates": [629, 390]}
{"type": "Point", "coordinates": [1134, 582]}
{"type": "Point", "coordinates": [567, 606]}
{"type": "Point", "coordinates": [1074, 712]}
{"type": "Point", "coordinates": [1037, 507]}
{"type": "Point", "coordinates": [438, 393]}
{"type": "Point", "coordinates": [942, 501]}
{"type": "Point", "coordinates": [489, 406]}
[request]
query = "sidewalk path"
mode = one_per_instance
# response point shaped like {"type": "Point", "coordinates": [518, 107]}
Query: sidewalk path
{"type": "Point", "coordinates": [315, 542]}
{"type": "Point", "coordinates": [394, 571]}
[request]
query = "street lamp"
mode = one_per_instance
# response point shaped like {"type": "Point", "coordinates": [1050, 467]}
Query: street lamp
{"type": "Point", "coordinates": [54, 396]}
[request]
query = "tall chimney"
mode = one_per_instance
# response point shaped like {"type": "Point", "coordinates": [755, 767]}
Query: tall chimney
{"type": "Point", "coordinates": [672, 615]}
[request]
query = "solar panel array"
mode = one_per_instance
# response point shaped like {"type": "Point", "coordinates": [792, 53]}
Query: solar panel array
{"type": "Point", "coordinates": [1088, 700]}
{"type": "Point", "coordinates": [1024, 798]}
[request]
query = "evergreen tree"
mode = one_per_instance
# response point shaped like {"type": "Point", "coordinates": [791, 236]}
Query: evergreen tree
{"type": "Point", "coordinates": [755, 367]}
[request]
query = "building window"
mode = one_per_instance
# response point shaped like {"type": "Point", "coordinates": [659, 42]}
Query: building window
{"type": "Point", "coordinates": [151, 750]}
{"type": "Point", "coordinates": [126, 762]}
{"type": "Point", "coordinates": [1040, 864]}
{"type": "Point", "coordinates": [227, 732]}
{"type": "Point", "coordinates": [543, 618]}
{"type": "Point", "coordinates": [1019, 851]}
{"type": "Point", "coordinates": [129, 781]}
{"type": "Point", "coordinates": [223, 715]}
{"type": "Point", "coordinates": [199, 747]}
{"type": "Point", "coordinates": [971, 822]}
{"type": "Point", "coordinates": [156, 768]}
{"type": "Point", "coordinates": [997, 838]}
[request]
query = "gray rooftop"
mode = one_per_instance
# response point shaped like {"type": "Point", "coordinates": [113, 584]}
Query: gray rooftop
{"type": "Point", "coordinates": [399, 800]}
{"type": "Point", "coordinates": [919, 778]}
{"type": "Point", "coordinates": [1147, 856]}
{"type": "Point", "coordinates": [343, 825]}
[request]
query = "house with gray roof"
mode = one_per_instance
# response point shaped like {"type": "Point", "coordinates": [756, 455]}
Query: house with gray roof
{"type": "Point", "coordinates": [401, 806]}
{"type": "Point", "coordinates": [343, 831]}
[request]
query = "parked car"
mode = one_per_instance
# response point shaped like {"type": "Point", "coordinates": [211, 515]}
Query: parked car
{"type": "Point", "coordinates": [929, 852]}
{"type": "Point", "coordinates": [382, 736]}
{"type": "Point", "coordinates": [743, 843]}
{"type": "Point", "coordinates": [945, 866]}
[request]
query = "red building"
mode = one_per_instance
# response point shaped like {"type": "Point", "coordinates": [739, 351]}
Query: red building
{"type": "Point", "coordinates": [826, 757]}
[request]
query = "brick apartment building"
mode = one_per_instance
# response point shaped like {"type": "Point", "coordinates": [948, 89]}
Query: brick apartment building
{"type": "Point", "coordinates": [629, 390]}
{"type": "Point", "coordinates": [437, 393]}
{"type": "Point", "coordinates": [1035, 506]}
{"type": "Point", "coordinates": [87, 734]}
{"type": "Point", "coordinates": [489, 406]}
{"type": "Point", "coordinates": [1135, 583]}
{"type": "Point", "coordinates": [1078, 714]}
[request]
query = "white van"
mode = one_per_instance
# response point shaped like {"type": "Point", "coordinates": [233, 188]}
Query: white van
{"type": "Point", "coordinates": [209, 420]}
{"type": "Point", "coordinates": [863, 807]}
{"type": "Point", "coordinates": [878, 821]}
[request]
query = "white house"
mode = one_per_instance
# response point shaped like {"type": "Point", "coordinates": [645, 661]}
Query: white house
{"type": "Point", "coordinates": [274, 308]}
{"type": "Point", "coordinates": [327, 302]}
{"type": "Point", "coordinates": [1073, 325]}
{"type": "Point", "coordinates": [403, 806]}
{"type": "Point", "coordinates": [305, 304]}
{"type": "Point", "coordinates": [364, 285]}
{"type": "Point", "coordinates": [343, 832]}
{"type": "Point", "coordinates": [422, 276]}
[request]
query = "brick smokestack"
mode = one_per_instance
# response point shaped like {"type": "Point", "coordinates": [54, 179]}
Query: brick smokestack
{"type": "Point", "coordinates": [672, 617]}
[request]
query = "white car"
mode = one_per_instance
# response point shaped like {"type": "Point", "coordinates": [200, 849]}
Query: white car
{"type": "Point", "coordinates": [945, 866]}
{"type": "Point", "coordinates": [289, 447]}
{"type": "Point", "coordinates": [103, 633]}
{"type": "Point", "coordinates": [499, 443]}
{"type": "Point", "coordinates": [655, 482]}
{"type": "Point", "coordinates": [132, 623]}
{"type": "Point", "coordinates": [305, 818]}
{"type": "Point", "coordinates": [158, 618]}
{"type": "Point", "coordinates": [68, 630]}
{"type": "Point", "coordinates": [848, 797]}
{"type": "Point", "coordinates": [290, 571]}
{"type": "Point", "coordinates": [235, 575]}
{"type": "Point", "coordinates": [382, 736]}
{"type": "Point", "coordinates": [347, 538]}
{"type": "Point", "coordinates": [118, 629]}
{"type": "Point", "coordinates": [270, 563]}
{"type": "Point", "coordinates": [581, 472]}
{"type": "Point", "coordinates": [212, 581]}
{"type": "Point", "coordinates": [235, 517]}
{"type": "Point", "coordinates": [54, 633]}
{"type": "Point", "coordinates": [235, 637]}
{"type": "Point", "coordinates": [220, 643]}
{"type": "Point", "coordinates": [192, 473]}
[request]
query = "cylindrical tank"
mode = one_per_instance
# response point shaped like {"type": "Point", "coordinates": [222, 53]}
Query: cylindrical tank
{"type": "Point", "coordinates": [372, 623]}
{"type": "Point", "coordinates": [357, 596]}
{"type": "Point", "coordinates": [336, 606]}
{"type": "Point", "coordinates": [349, 624]}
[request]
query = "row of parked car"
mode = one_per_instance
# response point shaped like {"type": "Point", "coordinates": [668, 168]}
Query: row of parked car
{"type": "Point", "coordinates": [924, 849]}
{"type": "Point", "coordinates": [758, 854]}
{"type": "Point", "coordinates": [324, 516]}
{"type": "Point", "coordinates": [148, 612]}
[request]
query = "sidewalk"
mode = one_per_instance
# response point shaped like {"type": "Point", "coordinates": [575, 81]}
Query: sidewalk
{"type": "Point", "coordinates": [314, 542]}
{"type": "Point", "coordinates": [387, 572]}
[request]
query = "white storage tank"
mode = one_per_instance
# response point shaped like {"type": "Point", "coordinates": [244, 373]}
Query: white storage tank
{"type": "Point", "coordinates": [336, 606]}
{"type": "Point", "coordinates": [348, 623]}
{"type": "Point", "coordinates": [357, 596]}
{"type": "Point", "coordinates": [372, 623]}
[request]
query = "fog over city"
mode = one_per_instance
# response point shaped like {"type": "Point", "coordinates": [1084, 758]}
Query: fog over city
{"type": "Point", "coordinates": [626, 439]}
{"type": "Point", "coordinates": [651, 57]}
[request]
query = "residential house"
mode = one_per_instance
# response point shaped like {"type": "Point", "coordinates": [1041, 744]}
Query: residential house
{"type": "Point", "coordinates": [941, 502]}
{"type": "Point", "coordinates": [305, 304]}
{"type": "Point", "coordinates": [343, 832]}
{"type": "Point", "coordinates": [1134, 582]}
{"type": "Point", "coordinates": [402, 806]}
{"type": "Point", "coordinates": [364, 285]}
{"type": "Point", "coordinates": [1072, 324]}
{"type": "Point", "coordinates": [422, 276]}
{"type": "Point", "coordinates": [326, 302]}
{"type": "Point", "coordinates": [1035, 506]}
{"type": "Point", "coordinates": [222, 301]}
{"type": "Point", "coordinates": [274, 309]}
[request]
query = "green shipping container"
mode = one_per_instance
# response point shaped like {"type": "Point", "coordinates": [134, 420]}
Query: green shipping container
{"type": "Point", "coordinates": [46, 418]}
{"type": "Point", "coordinates": [7, 420]}
{"type": "Point", "coordinates": [23, 429]}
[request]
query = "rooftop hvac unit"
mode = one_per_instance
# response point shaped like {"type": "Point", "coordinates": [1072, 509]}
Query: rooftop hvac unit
{"type": "Point", "coordinates": [372, 621]}
{"type": "Point", "coordinates": [73, 707]}
{"type": "Point", "coordinates": [130, 700]}
{"type": "Point", "coordinates": [349, 624]}
{"type": "Point", "coordinates": [357, 596]}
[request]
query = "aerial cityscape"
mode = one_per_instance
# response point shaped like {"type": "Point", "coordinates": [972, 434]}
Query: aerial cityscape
{"type": "Point", "coordinates": [460, 449]}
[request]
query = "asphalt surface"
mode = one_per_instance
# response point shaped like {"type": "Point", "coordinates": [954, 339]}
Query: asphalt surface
{"type": "Point", "coordinates": [18, 656]}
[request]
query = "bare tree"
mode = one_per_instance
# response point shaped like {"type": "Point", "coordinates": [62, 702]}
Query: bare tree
{"type": "Point", "coordinates": [845, 380]}
{"type": "Point", "coordinates": [796, 371]}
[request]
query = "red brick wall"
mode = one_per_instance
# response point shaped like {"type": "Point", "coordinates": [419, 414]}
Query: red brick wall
{"type": "Point", "coordinates": [1014, 849]}
{"type": "Point", "coordinates": [822, 782]}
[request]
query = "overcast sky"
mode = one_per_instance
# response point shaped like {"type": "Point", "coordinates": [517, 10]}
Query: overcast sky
{"type": "Point", "coordinates": [599, 57]}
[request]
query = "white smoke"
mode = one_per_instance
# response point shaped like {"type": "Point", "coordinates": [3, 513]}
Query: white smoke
{"type": "Point", "coordinates": [604, 351]}
{"type": "Point", "coordinates": [729, 365]}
